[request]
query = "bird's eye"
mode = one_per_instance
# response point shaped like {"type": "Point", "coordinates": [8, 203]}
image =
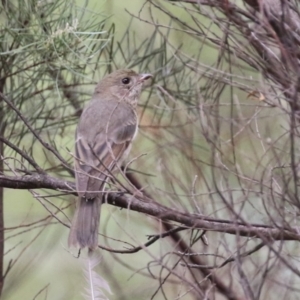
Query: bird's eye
{"type": "Point", "coordinates": [126, 80]}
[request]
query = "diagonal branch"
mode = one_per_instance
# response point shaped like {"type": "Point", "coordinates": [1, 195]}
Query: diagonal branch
{"type": "Point", "coordinates": [41, 181]}
{"type": "Point", "coordinates": [227, 291]}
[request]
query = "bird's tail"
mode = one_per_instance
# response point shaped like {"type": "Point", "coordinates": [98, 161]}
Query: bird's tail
{"type": "Point", "coordinates": [85, 225]}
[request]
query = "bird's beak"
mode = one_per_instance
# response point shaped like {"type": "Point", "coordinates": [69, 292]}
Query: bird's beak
{"type": "Point", "coordinates": [144, 77]}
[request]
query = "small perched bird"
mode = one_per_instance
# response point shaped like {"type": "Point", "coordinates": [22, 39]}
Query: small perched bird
{"type": "Point", "coordinates": [104, 134]}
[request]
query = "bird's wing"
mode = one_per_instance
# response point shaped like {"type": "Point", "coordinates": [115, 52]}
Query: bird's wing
{"type": "Point", "coordinates": [96, 158]}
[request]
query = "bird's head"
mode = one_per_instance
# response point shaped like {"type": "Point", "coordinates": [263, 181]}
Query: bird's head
{"type": "Point", "coordinates": [123, 84]}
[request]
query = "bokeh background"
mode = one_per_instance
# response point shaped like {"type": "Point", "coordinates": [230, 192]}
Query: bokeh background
{"type": "Point", "coordinates": [214, 139]}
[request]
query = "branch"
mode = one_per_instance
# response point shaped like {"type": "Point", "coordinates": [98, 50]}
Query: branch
{"type": "Point", "coordinates": [35, 134]}
{"type": "Point", "coordinates": [41, 181]}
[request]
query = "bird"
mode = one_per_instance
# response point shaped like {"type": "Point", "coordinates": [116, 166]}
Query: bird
{"type": "Point", "coordinates": [105, 131]}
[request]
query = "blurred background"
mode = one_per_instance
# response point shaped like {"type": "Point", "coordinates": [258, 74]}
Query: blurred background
{"type": "Point", "coordinates": [218, 137]}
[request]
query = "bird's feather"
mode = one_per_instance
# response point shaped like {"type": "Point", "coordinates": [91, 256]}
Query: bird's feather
{"type": "Point", "coordinates": [97, 285]}
{"type": "Point", "coordinates": [97, 156]}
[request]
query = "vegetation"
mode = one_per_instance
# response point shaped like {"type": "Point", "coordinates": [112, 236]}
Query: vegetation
{"type": "Point", "coordinates": [209, 195]}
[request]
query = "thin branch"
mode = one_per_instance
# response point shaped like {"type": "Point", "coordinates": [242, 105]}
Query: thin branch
{"type": "Point", "coordinates": [46, 145]}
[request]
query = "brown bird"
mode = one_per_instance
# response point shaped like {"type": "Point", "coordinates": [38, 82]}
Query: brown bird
{"type": "Point", "coordinates": [104, 134]}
